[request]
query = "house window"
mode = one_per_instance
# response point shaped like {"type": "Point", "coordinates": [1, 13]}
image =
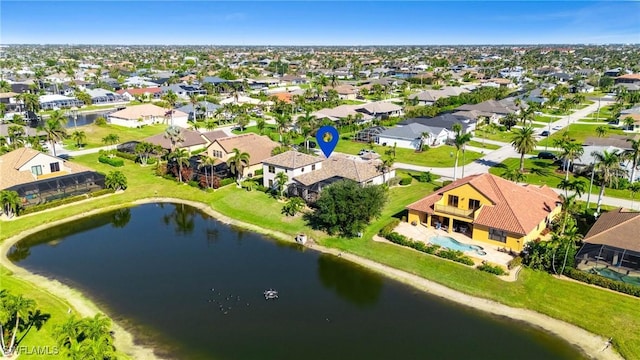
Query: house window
{"type": "Point", "coordinates": [270, 183]}
{"type": "Point", "coordinates": [36, 170]}
{"type": "Point", "coordinates": [272, 169]}
{"type": "Point", "coordinates": [498, 235]}
{"type": "Point", "coordinates": [301, 169]}
{"type": "Point", "coordinates": [453, 200]}
{"type": "Point", "coordinates": [313, 167]}
{"type": "Point", "coordinates": [474, 204]}
{"type": "Point", "coordinates": [54, 166]}
{"type": "Point", "coordinates": [217, 154]}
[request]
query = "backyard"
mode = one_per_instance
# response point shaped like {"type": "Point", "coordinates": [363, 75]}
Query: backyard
{"type": "Point", "coordinates": [95, 134]}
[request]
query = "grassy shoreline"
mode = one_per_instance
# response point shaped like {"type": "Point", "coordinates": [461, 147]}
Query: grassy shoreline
{"type": "Point", "coordinates": [571, 302]}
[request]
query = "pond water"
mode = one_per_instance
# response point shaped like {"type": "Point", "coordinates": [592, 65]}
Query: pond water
{"type": "Point", "coordinates": [192, 288]}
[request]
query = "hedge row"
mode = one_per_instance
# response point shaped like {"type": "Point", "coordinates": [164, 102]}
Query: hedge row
{"type": "Point", "coordinates": [115, 162]}
{"type": "Point", "coordinates": [444, 253]}
{"type": "Point", "coordinates": [128, 156]}
{"type": "Point", "coordinates": [603, 282]}
{"type": "Point", "coordinates": [71, 199]}
{"type": "Point", "coordinates": [496, 270]}
{"type": "Point", "coordinates": [227, 181]}
{"type": "Point", "coordinates": [388, 229]}
{"type": "Point", "coordinates": [406, 181]}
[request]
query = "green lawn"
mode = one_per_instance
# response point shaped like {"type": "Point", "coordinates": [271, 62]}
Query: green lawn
{"type": "Point", "coordinates": [585, 306]}
{"type": "Point", "coordinates": [95, 134]}
{"type": "Point", "coordinates": [270, 131]}
{"type": "Point", "coordinates": [496, 135]}
{"type": "Point", "coordinates": [545, 119]}
{"type": "Point", "coordinates": [578, 132]}
{"type": "Point", "coordinates": [479, 144]}
{"type": "Point", "coordinates": [441, 156]}
{"type": "Point", "coordinates": [605, 113]}
{"type": "Point", "coordinates": [593, 120]}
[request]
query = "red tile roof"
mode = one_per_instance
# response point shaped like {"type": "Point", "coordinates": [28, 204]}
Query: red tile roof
{"type": "Point", "coordinates": [151, 90]}
{"type": "Point", "coordinates": [516, 209]}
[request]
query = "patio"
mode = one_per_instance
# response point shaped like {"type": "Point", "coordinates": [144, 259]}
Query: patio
{"type": "Point", "coordinates": [422, 233]}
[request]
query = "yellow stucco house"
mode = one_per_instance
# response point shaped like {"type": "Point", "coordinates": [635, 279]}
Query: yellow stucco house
{"type": "Point", "coordinates": [258, 147]}
{"type": "Point", "coordinates": [489, 208]}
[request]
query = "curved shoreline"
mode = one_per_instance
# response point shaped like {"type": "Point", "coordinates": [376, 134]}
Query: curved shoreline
{"type": "Point", "coordinates": [590, 344]}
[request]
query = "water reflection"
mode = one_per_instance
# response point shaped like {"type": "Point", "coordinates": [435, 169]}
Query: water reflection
{"type": "Point", "coordinates": [361, 288]}
{"type": "Point", "coordinates": [183, 219]}
{"type": "Point", "coordinates": [121, 218]}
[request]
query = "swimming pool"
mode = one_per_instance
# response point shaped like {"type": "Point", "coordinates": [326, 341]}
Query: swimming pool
{"type": "Point", "coordinates": [614, 275]}
{"type": "Point", "coordinates": [451, 243]}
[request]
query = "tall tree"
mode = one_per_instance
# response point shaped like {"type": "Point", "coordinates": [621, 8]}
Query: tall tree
{"type": "Point", "coordinates": [283, 121]}
{"type": "Point", "coordinates": [281, 182]}
{"type": "Point", "coordinates": [608, 166]}
{"type": "Point", "coordinates": [237, 162]}
{"type": "Point", "coordinates": [459, 142]}
{"type": "Point", "coordinates": [10, 201]}
{"type": "Point", "coordinates": [54, 128]}
{"type": "Point", "coordinates": [570, 151]}
{"type": "Point", "coordinates": [181, 158]}
{"type": "Point", "coordinates": [174, 134]}
{"type": "Point", "coordinates": [523, 141]}
{"type": "Point", "coordinates": [634, 155]}
{"type": "Point", "coordinates": [171, 98]}
{"type": "Point", "coordinates": [79, 137]}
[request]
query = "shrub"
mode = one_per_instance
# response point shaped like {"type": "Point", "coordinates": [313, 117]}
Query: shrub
{"type": "Point", "coordinates": [399, 239]}
{"type": "Point", "coordinates": [492, 269]}
{"type": "Point", "coordinates": [454, 255]}
{"type": "Point", "coordinates": [194, 183]}
{"type": "Point", "coordinates": [227, 181]}
{"type": "Point", "coordinates": [101, 121]}
{"type": "Point", "coordinates": [394, 181]}
{"type": "Point", "coordinates": [258, 172]}
{"type": "Point", "coordinates": [196, 152]}
{"type": "Point", "coordinates": [406, 181]}
{"type": "Point", "coordinates": [111, 161]}
{"type": "Point", "coordinates": [425, 177]}
{"type": "Point", "coordinates": [128, 156]}
{"type": "Point", "coordinates": [446, 182]}
{"type": "Point", "coordinates": [293, 206]}
{"type": "Point", "coordinates": [603, 282]}
{"type": "Point", "coordinates": [515, 262]}
{"type": "Point", "coordinates": [161, 169]}
{"type": "Point", "coordinates": [388, 229]}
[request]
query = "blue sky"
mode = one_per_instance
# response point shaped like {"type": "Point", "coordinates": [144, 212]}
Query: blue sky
{"type": "Point", "coordinates": [318, 22]}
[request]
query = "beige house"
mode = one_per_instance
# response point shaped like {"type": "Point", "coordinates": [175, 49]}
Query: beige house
{"type": "Point", "coordinates": [258, 147]}
{"type": "Point", "coordinates": [147, 114]}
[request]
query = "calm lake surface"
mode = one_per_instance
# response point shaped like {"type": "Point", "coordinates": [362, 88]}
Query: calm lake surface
{"type": "Point", "coordinates": [193, 288]}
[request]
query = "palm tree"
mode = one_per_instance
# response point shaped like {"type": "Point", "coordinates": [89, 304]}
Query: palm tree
{"type": "Point", "coordinates": [628, 122]}
{"type": "Point", "coordinates": [524, 141]}
{"type": "Point", "coordinates": [237, 162]}
{"type": "Point", "coordinates": [207, 162]}
{"type": "Point", "coordinates": [307, 124]}
{"type": "Point", "coordinates": [79, 137]}
{"type": "Point", "coordinates": [514, 175]}
{"type": "Point", "coordinates": [602, 130]}
{"type": "Point", "coordinates": [21, 306]}
{"type": "Point", "coordinates": [634, 154]}
{"type": "Point", "coordinates": [571, 152]}
{"type": "Point", "coordinates": [283, 121]}
{"type": "Point", "coordinates": [16, 136]}
{"type": "Point", "coordinates": [570, 207]}
{"type": "Point", "coordinates": [96, 328]}
{"type": "Point", "coordinates": [171, 98]}
{"type": "Point", "coordinates": [459, 141]}
{"type": "Point", "coordinates": [260, 125]}
{"type": "Point", "coordinates": [281, 182]}
{"type": "Point", "coordinates": [243, 121]}
{"type": "Point", "coordinates": [111, 139]}
{"type": "Point", "coordinates": [385, 166]}
{"type": "Point", "coordinates": [10, 201]}
{"type": "Point", "coordinates": [174, 134]}
{"type": "Point", "coordinates": [54, 128]}
{"type": "Point", "coordinates": [608, 165]}
{"type": "Point", "coordinates": [634, 188]}
{"type": "Point", "coordinates": [115, 180]}
{"type": "Point", "coordinates": [193, 99]}
{"type": "Point", "coordinates": [181, 157]}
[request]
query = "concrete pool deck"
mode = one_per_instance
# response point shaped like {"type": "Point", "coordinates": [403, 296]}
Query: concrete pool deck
{"type": "Point", "coordinates": [422, 233]}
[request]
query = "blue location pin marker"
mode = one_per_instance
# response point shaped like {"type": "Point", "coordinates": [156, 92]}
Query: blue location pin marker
{"type": "Point", "coordinates": [327, 137]}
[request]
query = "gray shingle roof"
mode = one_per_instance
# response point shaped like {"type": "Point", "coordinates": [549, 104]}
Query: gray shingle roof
{"type": "Point", "coordinates": [411, 131]}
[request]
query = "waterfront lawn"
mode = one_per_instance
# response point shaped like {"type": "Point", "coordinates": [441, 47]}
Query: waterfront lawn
{"type": "Point", "coordinates": [579, 133]}
{"type": "Point", "coordinates": [96, 133]}
{"type": "Point", "coordinates": [435, 157]}
{"type": "Point", "coordinates": [577, 303]}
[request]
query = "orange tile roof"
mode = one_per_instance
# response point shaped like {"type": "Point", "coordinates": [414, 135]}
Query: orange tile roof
{"type": "Point", "coordinates": [516, 209]}
{"type": "Point", "coordinates": [629, 76]}
{"type": "Point", "coordinates": [283, 96]}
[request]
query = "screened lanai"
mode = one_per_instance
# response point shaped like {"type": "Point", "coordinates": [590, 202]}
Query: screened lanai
{"type": "Point", "coordinates": [369, 134]}
{"type": "Point", "coordinates": [42, 191]}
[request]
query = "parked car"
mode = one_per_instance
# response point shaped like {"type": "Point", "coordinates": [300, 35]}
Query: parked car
{"type": "Point", "coordinates": [544, 133]}
{"type": "Point", "coordinates": [366, 151]}
{"type": "Point", "coordinates": [312, 144]}
{"type": "Point", "coordinates": [546, 155]}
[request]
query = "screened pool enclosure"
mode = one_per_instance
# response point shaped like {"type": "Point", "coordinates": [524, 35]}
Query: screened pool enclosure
{"type": "Point", "coordinates": [42, 191]}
